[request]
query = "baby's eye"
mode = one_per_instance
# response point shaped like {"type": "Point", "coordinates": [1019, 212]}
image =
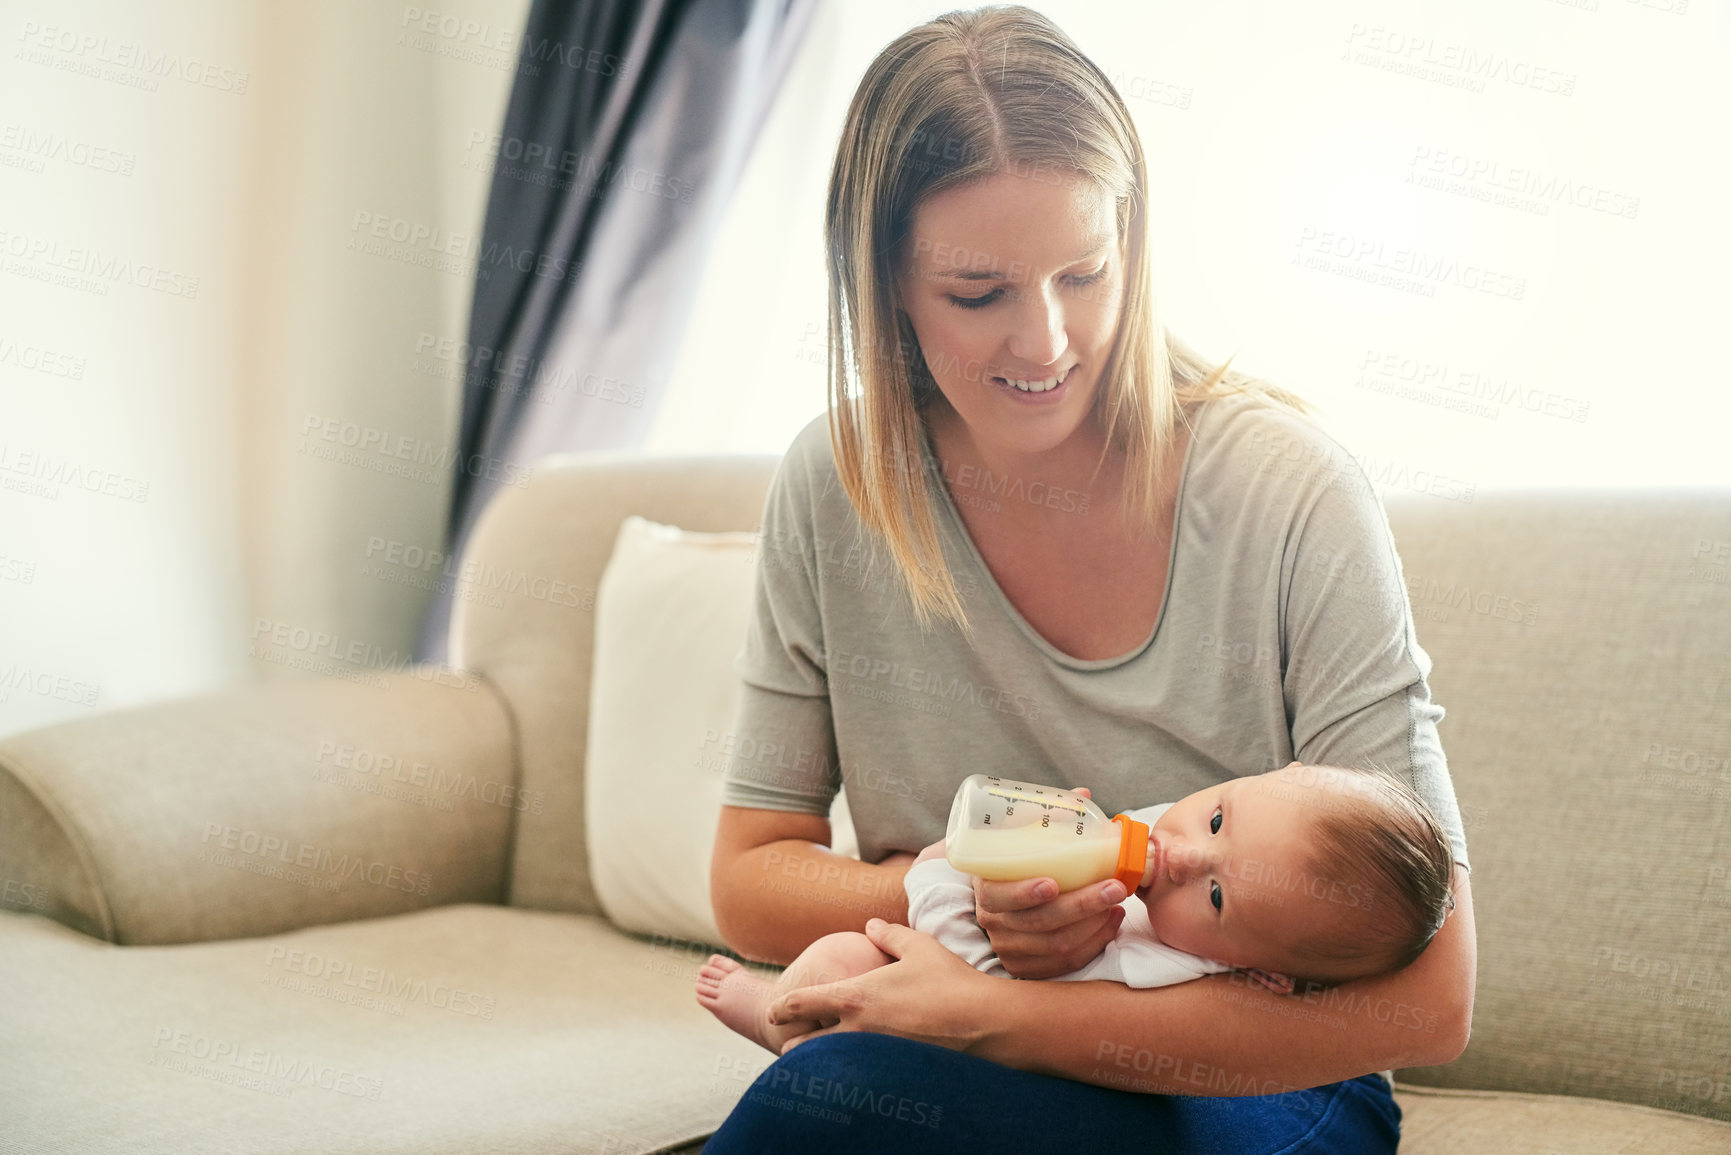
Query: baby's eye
{"type": "Point", "coordinates": [1214, 894]}
{"type": "Point", "coordinates": [1214, 822]}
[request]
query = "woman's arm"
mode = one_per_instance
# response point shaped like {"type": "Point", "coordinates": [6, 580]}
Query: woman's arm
{"type": "Point", "coordinates": [1221, 1035]}
{"type": "Point", "coordinates": [1225, 1034]}
{"type": "Point", "coordinates": [776, 886]}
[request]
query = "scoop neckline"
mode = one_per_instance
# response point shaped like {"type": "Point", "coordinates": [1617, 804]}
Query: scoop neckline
{"type": "Point", "coordinates": [934, 470]}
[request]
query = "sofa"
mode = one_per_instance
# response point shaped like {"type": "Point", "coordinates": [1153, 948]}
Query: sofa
{"type": "Point", "coordinates": [369, 911]}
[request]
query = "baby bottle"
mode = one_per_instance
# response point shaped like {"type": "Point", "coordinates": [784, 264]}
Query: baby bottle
{"type": "Point", "coordinates": [1004, 830]}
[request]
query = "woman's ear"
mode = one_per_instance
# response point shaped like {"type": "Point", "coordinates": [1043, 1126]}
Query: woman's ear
{"type": "Point", "coordinates": [1278, 983]}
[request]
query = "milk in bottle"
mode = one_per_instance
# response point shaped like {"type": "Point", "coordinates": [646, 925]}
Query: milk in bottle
{"type": "Point", "coordinates": [1005, 830]}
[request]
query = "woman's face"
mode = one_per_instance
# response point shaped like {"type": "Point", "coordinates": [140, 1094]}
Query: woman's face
{"type": "Point", "coordinates": [1015, 279]}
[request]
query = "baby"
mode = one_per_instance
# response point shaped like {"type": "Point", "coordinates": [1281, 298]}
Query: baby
{"type": "Point", "coordinates": [1307, 873]}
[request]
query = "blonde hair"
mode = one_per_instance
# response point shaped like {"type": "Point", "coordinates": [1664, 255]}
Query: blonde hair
{"type": "Point", "coordinates": [993, 89]}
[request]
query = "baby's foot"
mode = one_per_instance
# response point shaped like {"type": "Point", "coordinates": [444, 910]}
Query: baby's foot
{"type": "Point", "coordinates": [737, 997]}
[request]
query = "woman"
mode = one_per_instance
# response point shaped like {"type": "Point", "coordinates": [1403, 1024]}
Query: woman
{"type": "Point", "coordinates": [1043, 540]}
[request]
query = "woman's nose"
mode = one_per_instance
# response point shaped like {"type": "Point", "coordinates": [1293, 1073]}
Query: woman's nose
{"type": "Point", "coordinates": [1039, 337]}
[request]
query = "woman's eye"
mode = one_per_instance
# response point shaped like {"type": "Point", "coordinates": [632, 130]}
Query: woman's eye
{"type": "Point", "coordinates": [1214, 822]}
{"type": "Point", "coordinates": [1094, 277]}
{"type": "Point", "coordinates": [1214, 894]}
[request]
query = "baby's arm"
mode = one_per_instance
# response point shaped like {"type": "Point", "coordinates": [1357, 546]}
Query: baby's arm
{"type": "Point", "coordinates": [941, 904]}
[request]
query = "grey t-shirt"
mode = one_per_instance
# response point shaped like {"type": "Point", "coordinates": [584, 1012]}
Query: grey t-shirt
{"type": "Point", "coordinates": [1285, 633]}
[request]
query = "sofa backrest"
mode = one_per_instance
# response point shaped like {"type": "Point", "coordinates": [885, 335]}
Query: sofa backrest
{"type": "Point", "coordinates": [524, 619]}
{"type": "Point", "coordinates": [1581, 643]}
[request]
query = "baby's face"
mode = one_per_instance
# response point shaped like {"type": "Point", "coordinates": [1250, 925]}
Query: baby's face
{"type": "Point", "coordinates": [1230, 876]}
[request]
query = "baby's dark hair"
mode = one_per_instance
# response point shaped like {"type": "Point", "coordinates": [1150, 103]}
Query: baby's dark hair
{"type": "Point", "coordinates": [1377, 837]}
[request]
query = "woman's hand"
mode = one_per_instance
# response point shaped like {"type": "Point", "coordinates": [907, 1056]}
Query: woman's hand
{"type": "Point", "coordinates": [1036, 935]}
{"type": "Point", "coordinates": [928, 994]}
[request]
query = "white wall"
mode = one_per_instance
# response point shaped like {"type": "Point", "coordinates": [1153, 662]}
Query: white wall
{"type": "Point", "coordinates": [368, 202]}
{"type": "Point", "coordinates": [219, 150]}
{"type": "Point", "coordinates": [1265, 129]}
{"type": "Point", "coordinates": [234, 142]}
{"type": "Point", "coordinates": [107, 173]}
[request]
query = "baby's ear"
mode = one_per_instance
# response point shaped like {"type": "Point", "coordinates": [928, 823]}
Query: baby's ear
{"type": "Point", "coordinates": [1278, 983]}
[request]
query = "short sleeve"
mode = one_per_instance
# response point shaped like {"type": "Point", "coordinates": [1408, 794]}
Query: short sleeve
{"type": "Point", "coordinates": [1354, 676]}
{"type": "Point", "coordinates": [781, 752]}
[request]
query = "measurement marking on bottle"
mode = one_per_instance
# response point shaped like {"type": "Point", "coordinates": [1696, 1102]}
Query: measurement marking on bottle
{"type": "Point", "coordinates": [1014, 796]}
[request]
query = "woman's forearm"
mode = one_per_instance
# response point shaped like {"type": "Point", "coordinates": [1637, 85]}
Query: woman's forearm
{"type": "Point", "coordinates": [1227, 1035]}
{"type": "Point", "coordinates": [773, 901]}
{"type": "Point", "coordinates": [1221, 1035]}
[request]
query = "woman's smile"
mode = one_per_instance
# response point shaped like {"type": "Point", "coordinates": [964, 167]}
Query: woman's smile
{"type": "Point", "coordinates": [1047, 391]}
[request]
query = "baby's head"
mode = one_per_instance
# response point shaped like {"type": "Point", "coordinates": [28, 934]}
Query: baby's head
{"type": "Point", "coordinates": [1312, 872]}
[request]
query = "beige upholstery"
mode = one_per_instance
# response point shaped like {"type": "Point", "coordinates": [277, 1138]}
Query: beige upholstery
{"type": "Point", "coordinates": [1582, 730]}
{"type": "Point", "coordinates": [1604, 931]}
{"type": "Point", "coordinates": [155, 825]}
{"type": "Point", "coordinates": [513, 1031]}
{"type": "Point", "coordinates": [536, 649]}
{"type": "Point", "coordinates": [1439, 1121]}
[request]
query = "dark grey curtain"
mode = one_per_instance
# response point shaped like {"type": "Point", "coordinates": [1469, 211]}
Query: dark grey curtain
{"type": "Point", "coordinates": [626, 130]}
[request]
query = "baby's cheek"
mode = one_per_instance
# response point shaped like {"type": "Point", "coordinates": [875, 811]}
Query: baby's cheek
{"type": "Point", "coordinates": [1154, 919]}
{"type": "Point", "coordinates": [1171, 929]}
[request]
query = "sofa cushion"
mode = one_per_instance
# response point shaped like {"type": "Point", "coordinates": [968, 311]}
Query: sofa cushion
{"type": "Point", "coordinates": [670, 612]}
{"type": "Point", "coordinates": [670, 616]}
{"type": "Point", "coordinates": [1447, 1122]}
{"type": "Point", "coordinates": [467, 1029]}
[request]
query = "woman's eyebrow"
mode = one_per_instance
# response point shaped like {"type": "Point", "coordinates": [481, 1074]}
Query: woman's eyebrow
{"type": "Point", "coordinates": [1103, 241]}
{"type": "Point", "coordinates": [1099, 243]}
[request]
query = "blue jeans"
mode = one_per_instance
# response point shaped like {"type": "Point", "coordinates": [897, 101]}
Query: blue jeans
{"type": "Point", "coordinates": [868, 1092]}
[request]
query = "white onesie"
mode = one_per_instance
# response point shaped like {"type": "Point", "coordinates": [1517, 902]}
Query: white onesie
{"type": "Point", "coordinates": [941, 904]}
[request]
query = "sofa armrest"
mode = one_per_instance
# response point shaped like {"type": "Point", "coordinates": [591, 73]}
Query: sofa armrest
{"type": "Point", "coordinates": [262, 809]}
